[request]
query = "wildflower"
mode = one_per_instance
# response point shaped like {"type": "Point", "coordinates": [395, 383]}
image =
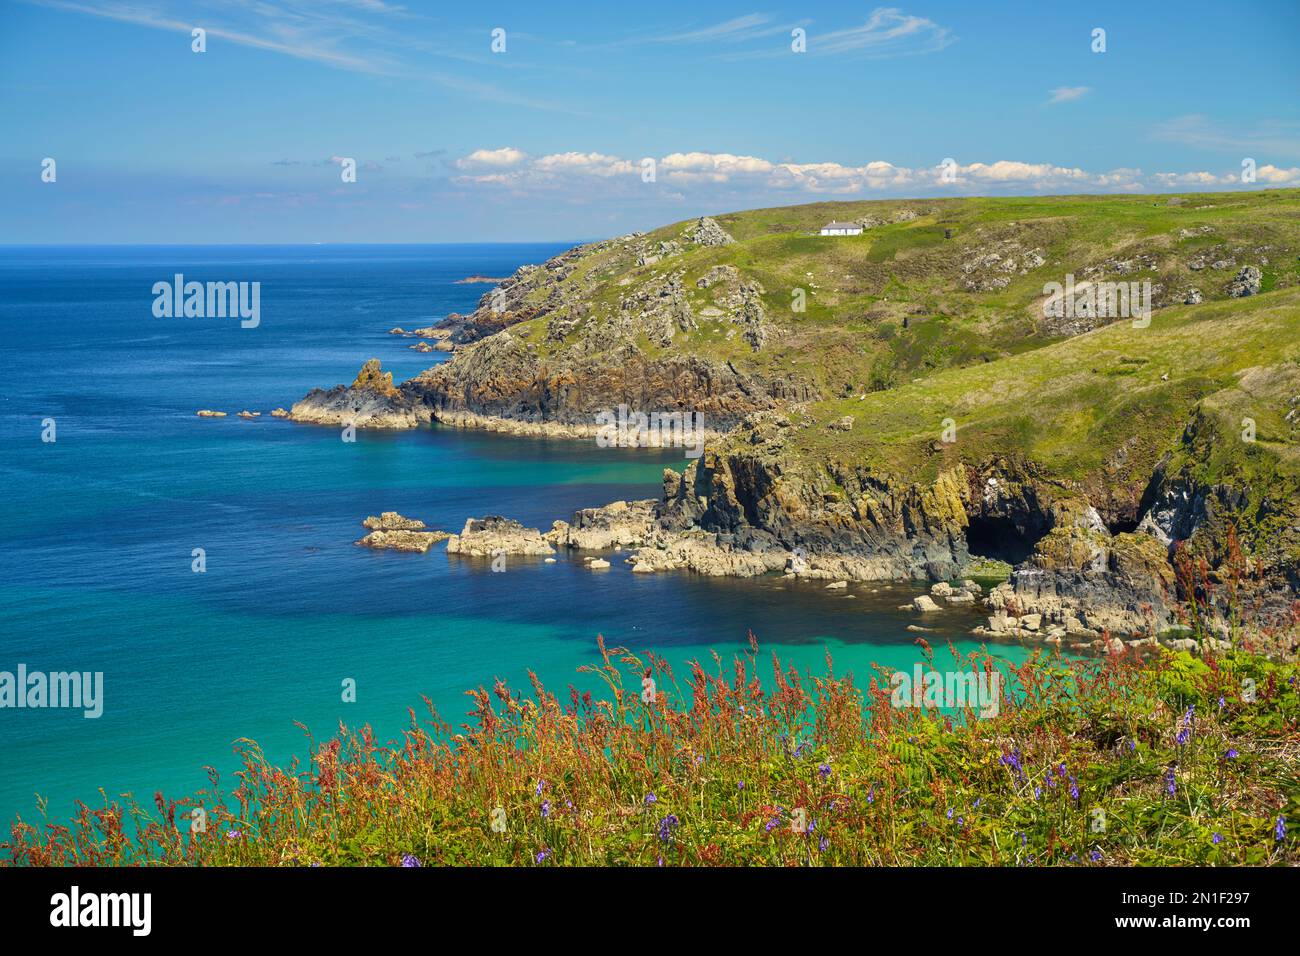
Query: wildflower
{"type": "Point", "coordinates": [741, 785]}
{"type": "Point", "coordinates": [650, 798]}
{"type": "Point", "coordinates": [772, 824]}
{"type": "Point", "coordinates": [541, 785]}
{"type": "Point", "coordinates": [871, 794]}
{"type": "Point", "coordinates": [1231, 753]}
{"type": "Point", "coordinates": [1038, 792]}
{"type": "Point", "coordinates": [234, 834]}
{"type": "Point", "coordinates": [1074, 787]}
{"type": "Point", "coordinates": [1220, 703]}
{"type": "Point", "coordinates": [1217, 838]}
{"type": "Point", "coordinates": [1022, 838]}
{"type": "Point", "coordinates": [950, 813]}
{"type": "Point", "coordinates": [961, 821]}
{"type": "Point", "coordinates": [1170, 786]}
{"type": "Point", "coordinates": [822, 844]}
{"type": "Point", "coordinates": [812, 825]}
{"type": "Point", "coordinates": [1132, 745]}
{"type": "Point", "coordinates": [1060, 771]}
{"type": "Point", "coordinates": [546, 809]}
{"type": "Point", "coordinates": [667, 828]}
{"type": "Point", "coordinates": [978, 801]}
{"type": "Point", "coordinates": [824, 770]}
{"type": "Point", "coordinates": [1279, 831]}
{"type": "Point", "coordinates": [410, 860]}
{"type": "Point", "coordinates": [1095, 856]}
{"type": "Point", "coordinates": [542, 855]}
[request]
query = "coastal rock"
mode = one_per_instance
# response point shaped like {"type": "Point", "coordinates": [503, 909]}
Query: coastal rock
{"type": "Point", "coordinates": [924, 603]}
{"type": "Point", "coordinates": [492, 535]}
{"type": "Point", "coordinates": [209, 413]}
{"type": "Point", "coordinates": [619, 524]}
{"type": "Point", "coordinates": [371, 401]}
{"type": "Point", "coordinates": [392, 521]}
{"type": "Point", "coordinates": [402, 540]}
{"type": "Point", "coordinates": [279, 413]}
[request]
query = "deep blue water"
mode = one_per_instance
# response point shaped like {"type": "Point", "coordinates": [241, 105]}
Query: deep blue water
{"type": "Point", "coordinates": [95, 548]}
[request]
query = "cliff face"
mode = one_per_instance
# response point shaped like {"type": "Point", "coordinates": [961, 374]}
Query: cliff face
{"type": "Point", "coordinates": [504, 377]}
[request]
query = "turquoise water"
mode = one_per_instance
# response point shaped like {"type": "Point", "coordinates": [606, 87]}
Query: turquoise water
{"type": "Point", "coordinates": [95, 548]}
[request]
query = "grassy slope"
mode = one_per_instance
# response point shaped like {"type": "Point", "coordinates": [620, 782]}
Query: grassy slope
{"type": "Point", "coordinates": [889, 315]}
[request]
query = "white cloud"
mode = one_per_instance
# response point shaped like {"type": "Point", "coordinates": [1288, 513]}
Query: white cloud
{"type": "Point", "coordinates": [699, 171]}
{"type": "Point", "coordinates": [1067, 94]}
{"type": "Point", "coordinates": [505, 156]}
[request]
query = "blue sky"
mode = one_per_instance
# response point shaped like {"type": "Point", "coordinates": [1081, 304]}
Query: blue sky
{"type": "Point", "coordinates": [545, 140]}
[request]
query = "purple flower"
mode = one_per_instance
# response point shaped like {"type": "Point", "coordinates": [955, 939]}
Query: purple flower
{"type": "Point", "coordinates": [542, 855]}
{"type": "Point", "coordinates": [822, 844]}
{"type": "Point", "coordinates": [668, 827]}
{"type": "Point", "coordinates": [741, 785]}
{"type": "Point", "coordinates": [546, 809]}
{"type": "Point", "coordinates": [1279, 831]}
{"type": "Point", "coordinates": [1220, 703]}
{"type": "Point", "coordinates": [1217, 838]}
{"type": "Point", "coordinates": [1095, 856]}
{"type": "Point", "coordinates": [1231, 753]}
{"type": "Point", "coordinates": [772, 824]}
{"type": "Point", "coordinates": [234, 834]}
{"type": "Point", "coordinates": [1170, 786]}
{"type": "Point", "coordinates": [950, 813]}
{"type": "Point", "coordinates": [871, 794]}
{"type": "Point", "coordinates": [1038, 792]}
{"type": "Point", "coordinates": [824, 770]}
{"type": "Point", "coordinates": [409, 860]}
{"type": "Point", "coordinates": [649, 799]}
{"type": "Point", "coordinates": [1074, 788]}
{"type": "Point", "coordinates": [541, 785]}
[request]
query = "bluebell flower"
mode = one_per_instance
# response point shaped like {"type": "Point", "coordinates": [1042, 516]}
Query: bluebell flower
{"type": "Point", "coordinates": [649, 799]}
{"type": "Point", "coordinates": [1217, 839]}
{"type": "Point", "coordinates": [1279, 831]}
{"type": "Point", "coordinates": [668, 828]}
{"type": "Point", "coordinates": [822, 844]}
{"type": "Point", "coordinates": [541, 785]}
{"type": "Point", "coordinates": [1231, 753]}
{"type": "Point", "coordinates": [1170, 785]}
{"type": "Point", "coordinates": [542, 855]}
{"type": "Point", "coordinates": [546, 809]}
{"type": "Point", "coordinates": [1095, 856]}
{"type": "Point", "coordinates": [824, 770]}
{"type": "Point", "coordinates": [409, 860]}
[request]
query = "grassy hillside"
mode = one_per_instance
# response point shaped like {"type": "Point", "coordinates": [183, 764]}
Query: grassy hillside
{"type": "Point", "coordinates": [902, 300]}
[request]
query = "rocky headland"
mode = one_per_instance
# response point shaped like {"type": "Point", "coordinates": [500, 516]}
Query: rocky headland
{"type": "Point", "coordinates": [872, 416]}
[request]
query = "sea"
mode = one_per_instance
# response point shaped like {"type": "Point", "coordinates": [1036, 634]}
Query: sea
{"type": "Point", "coordinates": [113, 488]}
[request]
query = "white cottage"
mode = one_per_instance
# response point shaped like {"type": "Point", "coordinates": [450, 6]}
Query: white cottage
{"type": "Point", "coordinates": [841, 229]}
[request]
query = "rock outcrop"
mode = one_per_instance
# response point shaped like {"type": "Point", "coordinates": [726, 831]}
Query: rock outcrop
{"type": "Point", "coordinates": [371, 401]}
{"type": "Point", "coordinates": [493, 535]}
